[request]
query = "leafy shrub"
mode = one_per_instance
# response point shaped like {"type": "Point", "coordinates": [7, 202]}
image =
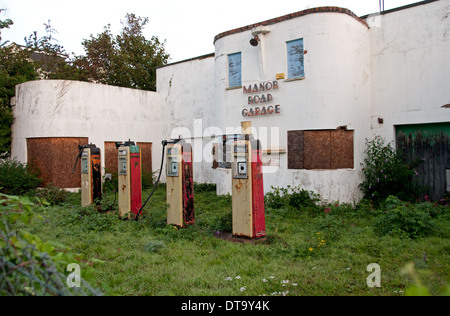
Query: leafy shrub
{"type": "Point", "coordinates": [30, 266]}
{"type": "Point", "coordinates": [386, 173]}
{"type": "Point", "coordinates": [53, 195]}
{"type": "Point", "coordinates": [277, 198]}
{"type": "Point", "coordinates": [290, 197]}
{"type": "Point", "coordinates": [89, 218]}
{"type": "Point", "coordinates": [405, 220]}
{"type": "Point", "coordinates": [147, 179]}
{"type": "Point", "coordinates": [17, 178]}
{"type": "Point", "coordinates": [111, 180]}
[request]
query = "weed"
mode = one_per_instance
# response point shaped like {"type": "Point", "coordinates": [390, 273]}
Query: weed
{"type": "Point", "coordinates": [154, 246]}
{"type": "Point", "coordinates": [149, 257]}
{"type": "Point", "coordinates": [17, 178]}
{"type": "Point", "coordinates": [386, 173]}
{"type": "Point", "coordinates": [53, 195]}
{"type": "Point", "coordinates": [294, 197]}
{"type": "Point", "coordinates": [405, 220]}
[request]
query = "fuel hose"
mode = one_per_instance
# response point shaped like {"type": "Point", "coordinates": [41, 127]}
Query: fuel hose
{"type": "Point", "coordinates": [164, 144]}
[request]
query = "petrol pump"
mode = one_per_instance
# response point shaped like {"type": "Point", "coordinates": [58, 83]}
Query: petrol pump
{"type": "Point", "coordinates": [91, 176]}
{"type": "Point", "coordinates": [180, 184]}
{"type": "Point", "coordinates": [247, 186]}
{"type": "Point", "coordinates": [129, 178]}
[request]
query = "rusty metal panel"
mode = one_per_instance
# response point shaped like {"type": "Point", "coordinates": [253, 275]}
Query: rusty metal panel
{"type": "Point", "coordinates": [135, 181]}
{"type": "Point", "coordinates": [317, 149]}
{"type": "Point", "coordinates": [54, 157]}
{"type": "Point", "coordinates": [259, 220]}
{"type": "Point", "coordinates": [111, 155]}
{"type": "Point", "coordinates": [341, 149]}
{"type": "Point", "coordinates": [146, 156]}
{"type": "Point", "coordinates": [295, 150]}
{"type": "Point", "coordinates": [188, 185]}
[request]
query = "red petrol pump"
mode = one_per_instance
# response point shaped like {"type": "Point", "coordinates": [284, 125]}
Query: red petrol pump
{"type": "Point", "coordinates": [91, 175]}
{"type": "Point", "coordinates": [129, 179]}
{"type": "Point", "coordinates": [180, 184]}
{"type": "Point", "coordinates": [247, 186]}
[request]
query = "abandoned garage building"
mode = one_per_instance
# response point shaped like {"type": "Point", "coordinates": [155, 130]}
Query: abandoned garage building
{"type": "Point", "coordinates": [315, 84]}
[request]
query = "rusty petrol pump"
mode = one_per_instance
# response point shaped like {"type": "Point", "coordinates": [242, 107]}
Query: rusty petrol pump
{"type": "Point", "coordinates": [129, 179]}
{"type": "Point", "coordinates": [247, 186]}
{"type": "Point", "coordinates": [180, 184]}
{"type": "Point", "coordinates": [91, 176]}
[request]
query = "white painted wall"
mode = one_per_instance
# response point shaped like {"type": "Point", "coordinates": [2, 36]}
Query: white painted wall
{"type": "Point", "coordinates": [397, 69]}
{"type": "Point", "coordinates": [335, 92]}
{"type": "Point", "coordinates": [410, 67]}
{"type": "Point", "coordinates": [187, 94]}
{"type": "Point", "coordinates": [62, 108]}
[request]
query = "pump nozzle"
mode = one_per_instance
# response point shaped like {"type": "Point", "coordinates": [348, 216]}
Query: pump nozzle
{"type": "Point", "coordinates": [164, 144]}
{"type": "Point", "coordinates": [81, 148]}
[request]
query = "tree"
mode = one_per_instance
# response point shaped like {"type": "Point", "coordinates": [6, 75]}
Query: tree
{"type": "Point", "coordinates": [126, 60]}
{"type": "Point", "coordinates": [4, 25]}
{"type": "Point", "coordinates": [15, 68]}
{"type": "Point", "coordinates": [51, 57]}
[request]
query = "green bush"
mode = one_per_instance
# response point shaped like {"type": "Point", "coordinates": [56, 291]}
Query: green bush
{"type": "Point", "coordinates": [290, 197]}
{"type": "Point", "coordinates": [30, 266]}
{"type": "Point", "coordinates": [386, 173]}
{"type": "Point", "coordinates": [147, 180]}
{"type": "Point", "coordinates": [53, 195]}
{"type": "Point", "coordinates": [111, 181]}
{"type": "Point", "coordinates": [406, 220]}
{"type": "Point", "coordinates": [89, 218]}
{"type": "Point", "coordinates": [17, 178]}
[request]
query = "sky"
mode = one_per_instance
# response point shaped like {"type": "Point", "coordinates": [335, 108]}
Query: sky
{"type": "Point", "coordinates": [188, 27]}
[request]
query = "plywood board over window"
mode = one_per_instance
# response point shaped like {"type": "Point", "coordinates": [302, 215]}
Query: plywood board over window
{"type": "Point", "coordinates": [54, 157]}
{"type": "Point", "coordinates": [111, 156]}
{"type": "Point", "coordinates": [146, 156]}
{"type": "Point", "coordinates": [320, 149]}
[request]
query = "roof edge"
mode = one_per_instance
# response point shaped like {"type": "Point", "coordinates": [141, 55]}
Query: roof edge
{"type": "Point", "coordinates": [328, 9]}
{"type": "Point", "coordinates": [189, 59]}
{"type": "Point", "coordinates": [411, 5]}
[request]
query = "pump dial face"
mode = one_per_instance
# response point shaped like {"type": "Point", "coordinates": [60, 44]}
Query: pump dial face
{"type": "Point", "coordinates": [84, 165]}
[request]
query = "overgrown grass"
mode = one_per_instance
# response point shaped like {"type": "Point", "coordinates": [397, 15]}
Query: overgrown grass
{"type": "Point", "coordinates": [308, 250]}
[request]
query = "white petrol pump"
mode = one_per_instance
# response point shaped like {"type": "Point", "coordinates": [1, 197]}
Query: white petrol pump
{"type": "Point", "coordinates": [180, 184]}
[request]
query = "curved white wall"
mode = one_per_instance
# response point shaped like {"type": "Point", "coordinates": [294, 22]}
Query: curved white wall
{"type": "Point", "coordinates": [62, 108]}
{"type": "Point", "coordinates": [335, 91]}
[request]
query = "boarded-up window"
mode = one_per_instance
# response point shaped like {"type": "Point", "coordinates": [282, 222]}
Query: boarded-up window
{"type": "Point", "coordinates": [111, 153]}
{"type": "Point", "coordinates": [111, 161]}
{"type": "Point", "coordinates": [234, 70]}
{"type": "Point", "coordinates": [146, 156]}
{"type": "Point", "coordinates": [55, 157]}
{"type": "Point", "coordinates": [295, 59]}
{"type": "Point", "coordinates": [295, 150]}
{"type": "Point", "coordinates": [322, 149]}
